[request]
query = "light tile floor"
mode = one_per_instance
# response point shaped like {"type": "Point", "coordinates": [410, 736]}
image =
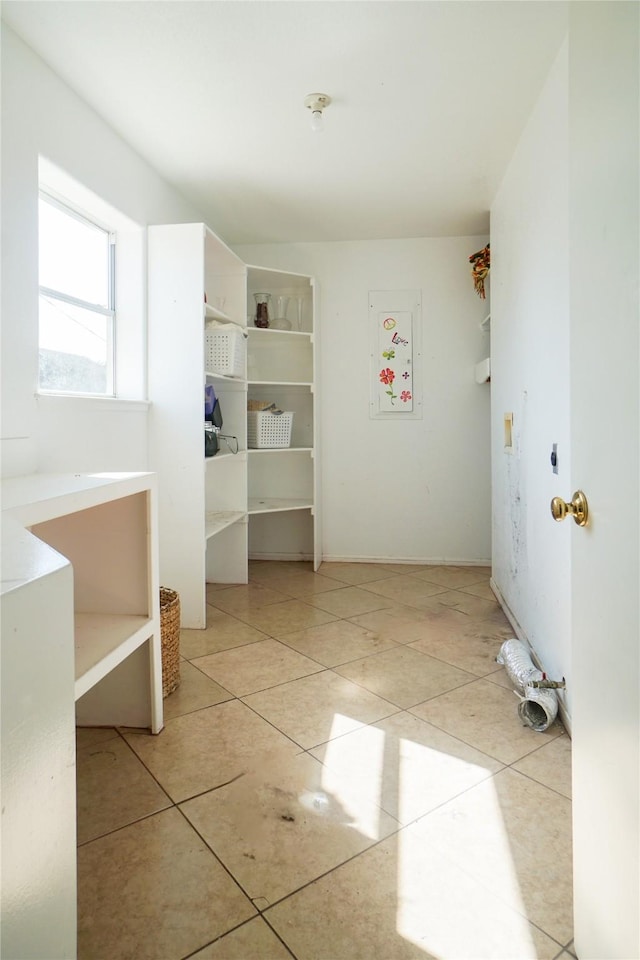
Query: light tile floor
{"type": "Point", "coordinates": [342, 775]}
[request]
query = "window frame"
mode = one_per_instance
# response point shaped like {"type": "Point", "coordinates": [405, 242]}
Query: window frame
{"type": "Point", "coordinates": [109, 311]}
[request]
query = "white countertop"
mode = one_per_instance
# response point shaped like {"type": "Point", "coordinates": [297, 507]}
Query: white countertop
{"type": "Point", "coordinates": [37, 497]}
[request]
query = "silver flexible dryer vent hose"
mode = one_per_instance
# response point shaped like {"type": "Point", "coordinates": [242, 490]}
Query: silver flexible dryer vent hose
{"type": "Point", "coordinates": [538, 706]}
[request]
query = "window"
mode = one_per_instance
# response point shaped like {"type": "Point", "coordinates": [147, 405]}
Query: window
{"type": "Point", "coordinates": [77, 302]}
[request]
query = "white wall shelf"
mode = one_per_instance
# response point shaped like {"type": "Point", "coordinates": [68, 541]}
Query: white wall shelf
{"type": "Point", "coordinates": [204, 514]}
{"type": "Point", "coordinates": [217, 521]}
{"type": "Point", "coordinates": [283, 483]}
{"type": "Point", "coordinates": [280, 383]}
{"type": "Point", "coordinates": [185, 261]}
{"type": "Point", "coordinates": [275, 451]}
{"type": "Point", "coordinates": [259, 332]}
{"type": "Point", "coordinates": [212, 375]}
{"type": "Point", "coordinates": [213, 313]}
{"type": "Point", "coordinates": [278, 505]}
{"type": "Point", "coordinates": [211, 462]}
{"type": "Point", "coordinates": [483, 371]}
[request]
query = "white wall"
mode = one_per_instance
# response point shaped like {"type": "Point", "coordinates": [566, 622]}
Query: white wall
{"type": "Point", "coordinates": [414, 490]}
{"type": "Point", "coordinates": [42, 116]}
{"type": "Point", "coordinates": [530, 377]}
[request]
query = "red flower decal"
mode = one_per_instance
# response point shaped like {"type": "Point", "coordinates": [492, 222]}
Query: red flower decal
{"type": "Point", "coordinates": [405, 395]}
{"type": "Point", "coordinates": [387, 376]}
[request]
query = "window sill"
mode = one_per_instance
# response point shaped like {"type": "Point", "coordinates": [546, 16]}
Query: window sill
{"type": "Point", "coordinates": [112, 404]}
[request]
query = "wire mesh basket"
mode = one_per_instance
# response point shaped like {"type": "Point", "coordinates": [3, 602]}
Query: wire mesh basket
{"type": "Point", "coordinates": [268, 430]}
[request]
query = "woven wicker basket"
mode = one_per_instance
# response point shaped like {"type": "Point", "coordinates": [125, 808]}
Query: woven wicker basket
{"type": "Point", "coordinates": [170, 638]}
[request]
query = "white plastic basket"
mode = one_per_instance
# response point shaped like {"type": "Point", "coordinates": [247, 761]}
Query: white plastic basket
{"type": "Point", "coordinates": [225, 351]}
{"type": "Point", "coordinates": [265, 429]}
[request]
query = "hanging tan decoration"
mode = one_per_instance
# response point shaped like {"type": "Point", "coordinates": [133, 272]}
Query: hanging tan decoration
{"type": "Point", "coordinates": [480, 266]}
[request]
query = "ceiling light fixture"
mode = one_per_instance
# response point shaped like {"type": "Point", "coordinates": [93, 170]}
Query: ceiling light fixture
{"type": "Point", "coordinates": [316, 102]}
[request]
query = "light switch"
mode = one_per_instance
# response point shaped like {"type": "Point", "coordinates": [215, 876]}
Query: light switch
{"type": "Point", "coordinates": [554, 457]}
{"type": "Point", "coordinates": [508, 432]}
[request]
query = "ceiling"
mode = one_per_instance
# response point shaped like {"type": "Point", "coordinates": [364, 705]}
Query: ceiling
{"type": "Point", "coordinates": [429, 99]}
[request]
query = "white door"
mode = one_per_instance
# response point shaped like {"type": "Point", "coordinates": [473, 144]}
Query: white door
{"type": "Point", "coordinates": [605, 424]}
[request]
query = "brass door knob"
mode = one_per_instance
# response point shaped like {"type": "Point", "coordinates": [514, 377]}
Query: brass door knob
{"type": "Point", "coordinates": [578, 508]}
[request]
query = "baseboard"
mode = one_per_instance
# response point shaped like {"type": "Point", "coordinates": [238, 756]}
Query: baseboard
{"type": "Point", "coordinates": [409, 561]}
{"type": "Point", "coordinates": [565, 716]}
{"type": "Point", "coordinates": [281, 556]}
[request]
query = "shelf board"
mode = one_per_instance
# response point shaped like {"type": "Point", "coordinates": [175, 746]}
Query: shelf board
{"type": "Point", "coordinates": [212, 375]}
{"type": "Point", "coordinates": [240, 456]}
{"type": "Point", "coordinates": [273, 331]}
{"type": "Point", "coordinates": [102, 641]}
{"type": "Point", "coordinates": [221, 519]}
{"type": "Point", "coordinates": [279, 383]}
{"type": "Point", "coordinates": [483, 371]}
{"type": "Point", "coordinates": [254, 450]}
{"type": "Point", "coordinates": [277, 505]}
{"type": "Point", "coordinates": [213, 313]}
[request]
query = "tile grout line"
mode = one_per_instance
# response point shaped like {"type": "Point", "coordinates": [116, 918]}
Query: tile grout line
{"type": "Point", "coordinates": [171, 803]}
{"type": "Point", "coordinates": [244, 923]}
{"type": "Point", "coordinates": [307, 751]}
{"type": "Point", "coordinates": [292, 599]}
{"type": "Point", "coordinates": [471, 679]}
{"type": "Point", "coordinates": [221, 862]}
{"type": "Point", "coordinates": [399, 708]}
{"type": "Point", "coordinates": [396, 643]}
{"type": "Point", "coordinates": [504, 763]}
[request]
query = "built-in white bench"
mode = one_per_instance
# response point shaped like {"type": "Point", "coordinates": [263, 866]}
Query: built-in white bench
{"type": "Point", "coordinates": [80, 644]}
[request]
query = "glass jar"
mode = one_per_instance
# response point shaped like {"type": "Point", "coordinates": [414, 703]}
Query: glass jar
{"type": "Point", "coordinates": [262, 309]}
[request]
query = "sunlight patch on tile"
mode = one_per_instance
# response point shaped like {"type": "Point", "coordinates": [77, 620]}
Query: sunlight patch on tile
{"type": "Point", "coordinates": [360, 795]}
{"type": "Point", "coordinates": [513, 836]}
{"type": "Point", "coordinates": [447, 914]}
{"type": "Point", "coordinates": [414, 768]}
{"type": "Point", "coordinates": [419, 766]}
{"type": "Point", "coordinates": [412, 902]}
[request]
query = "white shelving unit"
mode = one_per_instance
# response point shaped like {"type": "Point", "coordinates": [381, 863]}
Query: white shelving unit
{"type": "Point", "coordinates": [283, 483]}
{"type": "Point", "coordinates": [216, 512]}
{"type": "Point", "coordinates": [106, 526]}
{"type": "Point", "coordinates": [203, 501]}
{"type": "Point", "coordinates": [482, 371]}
